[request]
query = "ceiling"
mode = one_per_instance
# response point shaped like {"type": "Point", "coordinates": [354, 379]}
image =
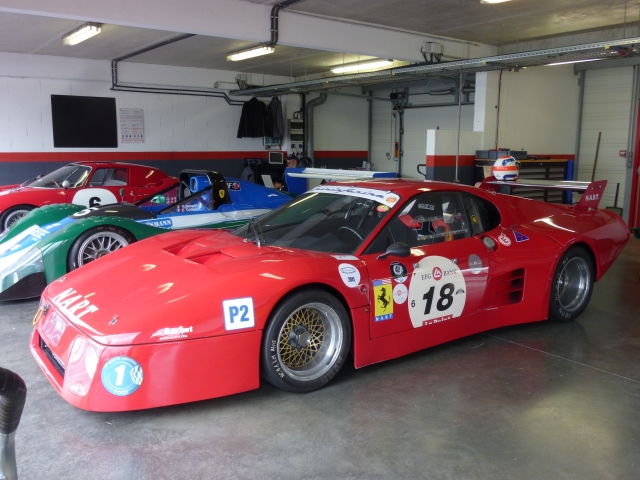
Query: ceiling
{"type": "Point", "coordinates": [463, 19]}
{"type": "Point", "coordinates": [471, 20]}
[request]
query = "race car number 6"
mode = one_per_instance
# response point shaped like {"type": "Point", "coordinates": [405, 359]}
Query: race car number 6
{"type": "Point", "coordinates": [437, 292]}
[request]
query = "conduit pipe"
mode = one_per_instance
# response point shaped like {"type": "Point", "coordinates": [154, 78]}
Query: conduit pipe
{"type": "Point", "coordinates": [309, 121]}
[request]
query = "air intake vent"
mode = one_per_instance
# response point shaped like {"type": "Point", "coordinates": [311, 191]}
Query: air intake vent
{"type": "Point", "coordinates": [506, 289]}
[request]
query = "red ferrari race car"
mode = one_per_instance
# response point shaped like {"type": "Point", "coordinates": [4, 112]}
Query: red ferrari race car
{"type": "Point", "coordinates": [378, 268]}
{"type": "Point", "coordinates": [83, 183]}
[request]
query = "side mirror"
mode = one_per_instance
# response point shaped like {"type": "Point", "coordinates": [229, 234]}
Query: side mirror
{"type": "Point", "coordinates": [66, 184]}
{"type": "Point", "coordinates": [158, 200]}
{"type": "Point", "coordinates": [397, 249]}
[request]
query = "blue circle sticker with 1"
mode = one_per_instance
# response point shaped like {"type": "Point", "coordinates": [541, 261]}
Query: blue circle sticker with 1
{"type": "Point", "coordinates": [122, 376]}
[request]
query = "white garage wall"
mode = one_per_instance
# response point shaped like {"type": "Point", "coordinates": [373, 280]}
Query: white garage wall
{"type": "Point", "coordinates": [341, 123]}
{"type": "Point", "coordinates": [172, 122]}
{"type": "Point", "coordinates": [538, 109]}
{"type": "Point", "coordinates": [607, 109]}
{"type": "Point", "coordinates": [416, 123]}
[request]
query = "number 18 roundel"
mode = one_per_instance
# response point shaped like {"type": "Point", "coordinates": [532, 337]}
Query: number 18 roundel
{"type": "Point", "coordinates": [437, 292]}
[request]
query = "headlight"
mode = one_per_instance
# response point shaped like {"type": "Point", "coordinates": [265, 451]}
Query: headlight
{"type": "Point", "coordinates": [81, 368]}
{"type": "Point", "coordinates": [30, 262]}
{"type": "Point", "coordinates": [53, 327]}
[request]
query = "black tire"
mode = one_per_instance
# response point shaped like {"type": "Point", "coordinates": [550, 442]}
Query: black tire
{"type": "Point", "coordinates": [13, 214]}
{"type": "Point", "coordinates": [306, 341]}
{"type": "Point", "coordinates": [572, 285]}
{"type": "Point", "coordinates": [86, 248]}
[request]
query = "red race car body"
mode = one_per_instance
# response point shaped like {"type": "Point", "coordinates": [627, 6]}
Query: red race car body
{"type": "Point", "coordinates": [83, 183]}
{"type": "Point", "coordinates": [381, 268]}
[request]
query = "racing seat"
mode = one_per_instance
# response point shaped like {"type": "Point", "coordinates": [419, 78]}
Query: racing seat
{"type": "Point", "coordinates": [219, 190]}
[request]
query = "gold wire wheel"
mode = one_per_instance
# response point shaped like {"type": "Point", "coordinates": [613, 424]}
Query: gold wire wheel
{"type": "Point", "coordinates": [301, 338]}
{"type": "Point", "coordinates": [310, 341]}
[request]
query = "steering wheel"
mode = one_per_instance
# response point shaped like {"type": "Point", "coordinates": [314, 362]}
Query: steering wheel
{"type": "Point", "coordinates": [56, 183]}
{"type": "Point", "coordinates": [351, 230]}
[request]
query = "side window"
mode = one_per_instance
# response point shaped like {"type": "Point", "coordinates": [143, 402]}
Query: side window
{"type": "Point", "coordinates": [119, 177]}
{"type": "Point", "coordinates": [429, 218]}
{"type": "Point", "coordinates": [99, 176]}
{"type": "Point", "coordinates": [484, 216]}
{"type": "Point", "coordinates": [109, 177]}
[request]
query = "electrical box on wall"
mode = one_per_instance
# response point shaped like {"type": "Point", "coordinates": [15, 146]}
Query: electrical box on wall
{"type": "Point", "coordinates": [295, 129]}
{"type": "Point", "coordinates": [433, 47]}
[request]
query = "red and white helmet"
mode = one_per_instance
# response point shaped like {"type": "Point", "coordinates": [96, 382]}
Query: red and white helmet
{"type": "Point", "coordinates": [505, 168]}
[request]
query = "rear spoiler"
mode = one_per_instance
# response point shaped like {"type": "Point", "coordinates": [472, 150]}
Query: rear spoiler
{"type": "Point", "coordinates": [296, 178]}
{"type": "Point", "coordinates": [335, 174]}
{"type": "Point", "coordinates": [592, 191]}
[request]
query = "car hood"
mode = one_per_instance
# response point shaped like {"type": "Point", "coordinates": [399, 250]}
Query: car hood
{"type": "Point", "coordinates": [172, 286]}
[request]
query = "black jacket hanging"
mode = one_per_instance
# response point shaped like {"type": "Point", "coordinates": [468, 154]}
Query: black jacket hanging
{"type": "Point", "coordinates": [254, 121]}
{"type": "Point", "coordinates": [275, 119]}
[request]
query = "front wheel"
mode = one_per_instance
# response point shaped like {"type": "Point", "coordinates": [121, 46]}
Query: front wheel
{"type": "Point", "coordinates": [572, 285]}
{"type": "Point", "coordinates": [306, 341]}
{"type": "Point", "coordinates": [97, 242]}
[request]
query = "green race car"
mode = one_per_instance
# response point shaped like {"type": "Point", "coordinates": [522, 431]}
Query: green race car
{"type": "Point", "coordinates": [53, 240]}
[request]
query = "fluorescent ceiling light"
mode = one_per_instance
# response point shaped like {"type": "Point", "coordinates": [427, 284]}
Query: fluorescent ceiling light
{"type": "Point", "coordinates": [494, 1]}
{"type": "Point", "coordinates": [574, 61]}
{"type": "Point", "coordinates": [252, 52]}
{"type": "Point", "coordinates": [86, 31]}
{"type": "Point", "coordinates": [362, 66]}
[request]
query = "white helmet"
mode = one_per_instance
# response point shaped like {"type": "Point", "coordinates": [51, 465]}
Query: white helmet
{"type": "Point", "coordinates": [505, 168]}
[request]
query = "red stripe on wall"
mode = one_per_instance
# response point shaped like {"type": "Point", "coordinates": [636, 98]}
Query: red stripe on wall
{"type": "Point", "coordinates": [450, 160]}
{"type": "Point", "coordinates": [6, 157]}
{"type": "Point", "coordinates": [341, 154]}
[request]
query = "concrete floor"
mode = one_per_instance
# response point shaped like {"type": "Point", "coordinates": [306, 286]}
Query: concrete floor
{"type": "Point", "coordinates": [544, 400]}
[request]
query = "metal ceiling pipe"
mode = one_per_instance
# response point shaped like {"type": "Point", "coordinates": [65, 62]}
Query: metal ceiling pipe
{"type": "Point", "coordinates": [274, 19]}
{"type": "Point", "coordinates": [308, 121]}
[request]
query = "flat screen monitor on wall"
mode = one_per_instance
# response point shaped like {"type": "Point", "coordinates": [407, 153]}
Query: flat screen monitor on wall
{"type": "Point", "coordinates": [276, 158]}
{"type": "Point", "coordinates": [84, 122]}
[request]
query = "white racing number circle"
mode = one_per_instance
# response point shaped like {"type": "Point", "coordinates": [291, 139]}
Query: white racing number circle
{"type": "Point", "coordinates": [94, 197]}
{"type": "Point", "coordinates": [437, 292]}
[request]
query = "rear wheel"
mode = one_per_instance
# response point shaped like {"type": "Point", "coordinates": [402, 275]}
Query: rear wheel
{"type": "Point", "coordinates": [13, 214]}
{"type": "Point", "coordinates": [306, 341]}
{"type": "Point", "coordinates": [572, 285]}
{"type": "Point", "coordinates": [97, 242]}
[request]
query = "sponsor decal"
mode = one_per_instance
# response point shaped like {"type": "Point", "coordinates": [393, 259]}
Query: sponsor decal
{"type": "Point", "coordinates": [382, 208]}
{"type": "Point", "coordinates": [437, 292]}
{"type": "Point", "coordinates": [398, 272]}
{"type": "Point", "coordinates": [593, 197]}
{"type": "Point", "coordinates": [172, 333]}
{"type": "Point", "coordinates": [221, 193]}
{"type": "Point", "coordinates": [345, 257]}
{"type": "Point", "coordinates": [426, 206]}
{"type": "Point", "coordinates": [121, 376]}
{"type": "Point", "coordinates": [350, 275]}
{"type": "Point", "coordinates": [475, 264]}
{"type": "Point", "coordinates": [474, 220]}
{"type": "Point", "coordinates": [238, 313]}
{"type": "Point", "coordinates": [235, 186]}
{"type": "Point", "coordinates": [73, 305]}
{"type": "Point", "coordinates": [520, 237]}
{"type": "Point", "coordinates": [386, 198]}
{"type": "Point", "coordinates": [504, 240]}
{"type": "Point", "coordinates": [400, 293]}
{"type": "Point", "coordinates": [383, 298]}
{"type": "Point", "coordinates": [158, 222]}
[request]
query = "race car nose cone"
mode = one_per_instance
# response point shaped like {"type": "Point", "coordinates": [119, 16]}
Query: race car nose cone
{"type": "Point", "coordinates": [299, 337]}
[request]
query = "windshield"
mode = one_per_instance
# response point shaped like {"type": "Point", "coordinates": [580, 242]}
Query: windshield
{"type": "Point", "coordinates": [76, 175]}
{"type": "Point", "coordinates": [322, 222]}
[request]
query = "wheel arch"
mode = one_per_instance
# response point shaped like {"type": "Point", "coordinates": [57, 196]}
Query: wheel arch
{"type": "Point", "coordinates": [321, 286]}
{"type": "Point", "coordinates": [74, 239]}
{"type": "Point", "coordinates": [590, 250]}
